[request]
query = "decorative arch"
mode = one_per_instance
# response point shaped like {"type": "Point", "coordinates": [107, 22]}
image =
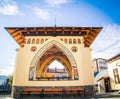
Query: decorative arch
{"type": "Point", "coordinates": [50, 59]}
{"type": "Point", "coordinates": [44, 49]}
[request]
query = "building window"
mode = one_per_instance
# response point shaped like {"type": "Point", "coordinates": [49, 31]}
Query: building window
{"type": "Point", "coordinates": [46, 39]}
{"type": "Point", "coordinates": [33, 41]}
{"type": "Point", "coordinates": [79, 42]}
{"type": "Point", "coordinates": [42, 41]}
{"type": "Point", "coordinates": [37, 41]}
{"type": "Point", "coordinates": [65, 40]}
{"type": "Point", "coordinates": [61, 39]}
{"type": "Point", "coordinates": [70, 41]}
{"type": "Point", "coordinates": [74, 41]}
{"type": "Point", "coordinates": [116, 75]}
{"type": "Point", "coordinates": [29, 41]}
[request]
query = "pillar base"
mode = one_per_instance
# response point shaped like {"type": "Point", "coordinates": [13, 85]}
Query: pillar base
{"type": "Point", "coordinates": [88, 92]}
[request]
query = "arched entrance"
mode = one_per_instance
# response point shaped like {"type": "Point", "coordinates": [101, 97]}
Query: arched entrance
{"type": "Point", "coordinates": [47, 54]}
{"type": "Point", "coordinates": [54, 53]}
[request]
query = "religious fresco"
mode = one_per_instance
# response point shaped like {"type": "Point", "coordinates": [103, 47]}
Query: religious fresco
{"type": "Point", "coordinates": [74, 49]}
{"type": "Point", "coordinates": [76, 77]}
{"type": "Point", "coordinates": [33, 48]}
{"type": "Point", "coordinates": [31, 73]}
{"type": "Point", "coordinates": [43, 50]}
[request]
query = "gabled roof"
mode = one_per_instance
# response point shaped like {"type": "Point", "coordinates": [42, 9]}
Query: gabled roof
{"type": "Point", "coordinates": [19, 33]}
{"type": "Point", "coordinates": [116, 57]}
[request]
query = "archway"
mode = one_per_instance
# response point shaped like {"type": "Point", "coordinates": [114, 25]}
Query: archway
{"type": "Point", "coordinates": [54, 53]}
{"type": "Point", "coordinates": [56, 71]}
{"type": "Point", "coordinates": [47, 54]}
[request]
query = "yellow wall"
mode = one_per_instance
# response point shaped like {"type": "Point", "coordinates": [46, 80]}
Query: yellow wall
{"type": "Point", "coordinates": [25, 56]}
{"type": "Point", "coordinates": [112, 65]}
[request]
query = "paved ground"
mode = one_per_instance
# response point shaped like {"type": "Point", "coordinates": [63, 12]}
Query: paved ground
{"type": "Point", "coordinates": [98, 96]}
{"type": "Point", "coordinates": [111, 95]}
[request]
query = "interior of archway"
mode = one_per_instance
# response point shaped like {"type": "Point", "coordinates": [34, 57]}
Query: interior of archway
{"type": "Point", "coordinates": [52, 54]}
{"type": "Point", "coordinates": [56, 70]}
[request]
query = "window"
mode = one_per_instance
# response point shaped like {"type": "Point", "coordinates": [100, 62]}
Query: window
{"type": "Point", "coordinates": [116, 75]}
{"type": "Point", "coordinates": [79, 42]}
{"type": "Point", "coordinates": [74, 41]}
{"type": "Point", "coordinates": [46, 39]}
{"type": "Point", "coordinates": [42, 41]}
{"type": "Point", "coordinates": [70, 41]}
{"type": "Point", "coordinates": [29, 41]}
{"type": "Point", "coordinates": [37, 41]}
{"type": "Point", "coordinates": [65, 40]}
{"type": "Point", "coordinates": [61, 39]}
{"type": "Point", "coordinates": [33, 41]}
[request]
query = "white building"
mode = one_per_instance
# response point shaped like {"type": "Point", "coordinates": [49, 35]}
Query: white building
{"type": "Point", "coordinates": [114, 72]}
{"type": "Point", "coordinates": [101, 75]}
{"type": "Point", "coordinates": [99, 64]}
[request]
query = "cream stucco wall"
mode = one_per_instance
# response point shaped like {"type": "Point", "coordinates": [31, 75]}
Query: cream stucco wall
{"type": "Point", "coordinates": [82, 57]}
{"type": "Point", "coordinates": [112, 65]}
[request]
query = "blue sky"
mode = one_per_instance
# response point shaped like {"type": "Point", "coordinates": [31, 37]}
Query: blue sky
{"type": "Point", "coordinates": [20, 13]}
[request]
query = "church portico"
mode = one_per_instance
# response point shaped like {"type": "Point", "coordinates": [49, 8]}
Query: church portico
{"type": "Point", "coordinates": [40, 46]}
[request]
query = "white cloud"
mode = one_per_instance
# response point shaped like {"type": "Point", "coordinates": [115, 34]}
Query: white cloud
{"type": "Point", "coordinates": [8, 68]}
{"type": "Point", "coordinates": [42, 13]}
{"type": "Point", "coordinates": [107, 44]}
{"type": "Point", "coordinates": [56, 2]}
{"type": "Point", "coordinates": [8, 7]}
{"type": "Point", "coordinates": [7, 71]}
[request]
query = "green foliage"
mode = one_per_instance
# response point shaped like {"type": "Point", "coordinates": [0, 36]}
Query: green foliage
{"type": "Point", "coordinates": [10, 79]}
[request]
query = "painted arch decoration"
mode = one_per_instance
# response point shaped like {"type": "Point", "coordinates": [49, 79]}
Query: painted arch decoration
{"type": "Point", "coordinates": [43, 49]}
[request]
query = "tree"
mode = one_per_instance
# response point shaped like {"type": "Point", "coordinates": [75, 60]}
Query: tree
{"type": "Point", "coordinates": [10, 79]}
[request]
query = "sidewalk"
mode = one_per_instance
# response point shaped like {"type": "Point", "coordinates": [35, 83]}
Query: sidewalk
{"type": "Point", "coordinates": [108, 95]}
